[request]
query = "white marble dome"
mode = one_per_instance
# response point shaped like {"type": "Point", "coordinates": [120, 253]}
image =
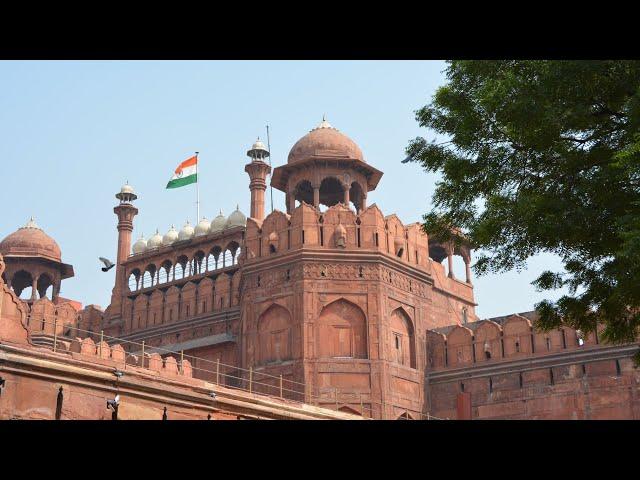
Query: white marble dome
{"type": "Point", "coordinates": [218, 223]}
{"type": "Point", "coordinates": [140, 246]}
{"type": "Point", "coordinates": [170, 237]}
{"type": "Point", "coordinates": [236, 219]}
{"type": "Point", "coordinates": [186, 232]}
{"type": "Point", "coordinates": [203, 227]}
{"type": "Point", "coordinates": [155, 241]}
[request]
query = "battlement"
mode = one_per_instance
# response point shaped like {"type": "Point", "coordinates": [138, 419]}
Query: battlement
{"type": "Point", "coordinates": [503, 338]}
{"type": "Point", "coordinates": [338, 227]}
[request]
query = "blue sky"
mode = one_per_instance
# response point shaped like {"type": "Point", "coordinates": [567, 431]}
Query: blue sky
{"type": "Point", "coordinates": [74, 132]}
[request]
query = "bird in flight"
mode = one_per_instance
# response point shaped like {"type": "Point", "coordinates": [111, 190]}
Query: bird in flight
{"type": "Point", "coordinates": [107, 264]}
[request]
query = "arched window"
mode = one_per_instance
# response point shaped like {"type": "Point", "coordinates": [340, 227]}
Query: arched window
{"type": "Point", "coordinates": [274, 335]}
{"type": "Point", "coordinates": [304, 192]}
{"type": "Point", "coordinates": [146, 279]}
{"type": "Point", "coordinates": [342, 331]}
{"type": "Point", "coordinates": [331, 192]}
{"type": "Point", "coordinates": [133, 281]}
{"type": "Point", "coordinates": [403, 346]}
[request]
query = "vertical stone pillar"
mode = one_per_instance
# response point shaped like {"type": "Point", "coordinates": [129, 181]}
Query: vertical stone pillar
{"type": "Point", "coordinates": [450, 264]}
{"type": "Point", "coordinates": [34, 288]}
{"type": "Point", "coordinates": [467, 265]}
{"type": "Point", "coordinates": [316, 196]}
{"type": "Point", "coordinates": [346, 194]}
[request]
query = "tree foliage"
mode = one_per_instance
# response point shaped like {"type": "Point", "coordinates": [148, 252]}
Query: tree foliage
{"type": "Point", "coordinates": [544, 156]}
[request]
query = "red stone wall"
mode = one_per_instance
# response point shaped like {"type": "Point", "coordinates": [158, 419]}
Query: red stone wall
{"type": "Point", "coordinates": [509, 370]}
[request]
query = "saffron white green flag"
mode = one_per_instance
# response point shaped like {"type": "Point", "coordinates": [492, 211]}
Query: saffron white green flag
{"type": "Point", "coordinates": [185, 174]}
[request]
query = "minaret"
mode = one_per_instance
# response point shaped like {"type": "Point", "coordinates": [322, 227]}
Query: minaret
{"type": "Point", "coordinates": [257, 170]}
{"type": "Point", "coordinates": [125, 212]}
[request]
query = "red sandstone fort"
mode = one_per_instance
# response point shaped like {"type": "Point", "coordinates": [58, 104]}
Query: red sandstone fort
{"type": "Point", "coordinates": [341, 312]}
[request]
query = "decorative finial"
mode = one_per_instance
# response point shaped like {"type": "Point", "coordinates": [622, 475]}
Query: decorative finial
{"type": "Point", "coordinates": [31, 223]}
{"type": "Point", "coordinates": [323, 119]}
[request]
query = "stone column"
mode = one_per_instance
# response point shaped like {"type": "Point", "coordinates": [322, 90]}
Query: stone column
{"type": "Point", "coordinates": [346, 194]}
{"type": "Point", "coordinates": [450, 264]}
{"type": "Point", "coordinates": [34, 288]}
{"type": "Point", "coordinates": [467, 264]}
{"type": "Point", "coordinates": [316, 196]}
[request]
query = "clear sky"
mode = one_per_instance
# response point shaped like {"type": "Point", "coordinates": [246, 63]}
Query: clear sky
{"type": "Point", "coordinates": [73, 132]}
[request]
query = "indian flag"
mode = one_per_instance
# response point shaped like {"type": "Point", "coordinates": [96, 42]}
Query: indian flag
{"type": "Point", "coordinates": [185, 174]}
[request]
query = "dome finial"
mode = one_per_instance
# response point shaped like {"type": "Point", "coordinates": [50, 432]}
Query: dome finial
{"type": "Point", "coordinates": [31, 223]}
{"type": "Point", "coordinates": [324, 123]}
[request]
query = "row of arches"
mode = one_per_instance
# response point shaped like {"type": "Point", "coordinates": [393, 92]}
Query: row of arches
{"type": "Point", "coordinates": [341, 334]}
{"type": "Point", "coordinates": [175, 304]}
{"type": "Point", "coordinates": [184, 267]}
{"type": "Point", "coordinates": [329, 192]}
{"type": "Point", "coordinates": [31, 287]}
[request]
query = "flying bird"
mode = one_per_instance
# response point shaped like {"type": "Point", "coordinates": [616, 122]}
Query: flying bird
{"type": "Point", "coordinates": [107, 264]}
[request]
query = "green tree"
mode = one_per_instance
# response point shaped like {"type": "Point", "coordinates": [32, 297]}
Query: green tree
{"type": "Point", "coordinates": [544, 156]}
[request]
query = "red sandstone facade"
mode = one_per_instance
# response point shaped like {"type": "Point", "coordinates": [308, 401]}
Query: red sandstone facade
{"type": "Point", "coordinates": [342, 307]}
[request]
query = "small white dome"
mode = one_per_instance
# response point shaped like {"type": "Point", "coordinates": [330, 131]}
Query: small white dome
{"type": "Point", "coordinates": [126, 189]}
{"type": "Point", "coordinates": [258, 145]}
{"type": "Point", "coordinates": [186, 232]}
{"type": "Point", "coordinates": [170, 237]}
{"type": "Point", "coordinates": [140, 246]}
{"type": "Point", "coordinates": [236, 219]}
{"type": "Point", "coordinates": [218, 223]}
{"type": "Point", "coordinates": [155, 241]}
{"type": "Point", "coordinates": [203, 227]}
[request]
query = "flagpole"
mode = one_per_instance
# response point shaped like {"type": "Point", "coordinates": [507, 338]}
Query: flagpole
{"type": "Point", "coordinates": [269, 148]}
{"type": "Point", "coordinates": [197, 191]}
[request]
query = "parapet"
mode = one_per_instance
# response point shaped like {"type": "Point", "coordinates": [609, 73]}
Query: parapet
{"type": "Point", "coordinates": [87, 350]}
{"type": "Point", "coordinates": [500, 338]}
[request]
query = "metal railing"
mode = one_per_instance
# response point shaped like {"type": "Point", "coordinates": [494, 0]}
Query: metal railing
{"type": "Point", "coordinates": [246, 379]}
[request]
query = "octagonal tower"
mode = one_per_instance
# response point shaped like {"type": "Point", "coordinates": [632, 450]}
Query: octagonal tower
{"type": "Point", "coordinates": [335, 304]}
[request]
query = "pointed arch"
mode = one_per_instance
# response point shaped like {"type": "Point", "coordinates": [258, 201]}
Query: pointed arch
{"type": "Point", "coordinates": [274, 335]}
{"type": "Point", "coordinates": [403, 344]}
{"type": "Point", "coordinates": [342, 331]}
